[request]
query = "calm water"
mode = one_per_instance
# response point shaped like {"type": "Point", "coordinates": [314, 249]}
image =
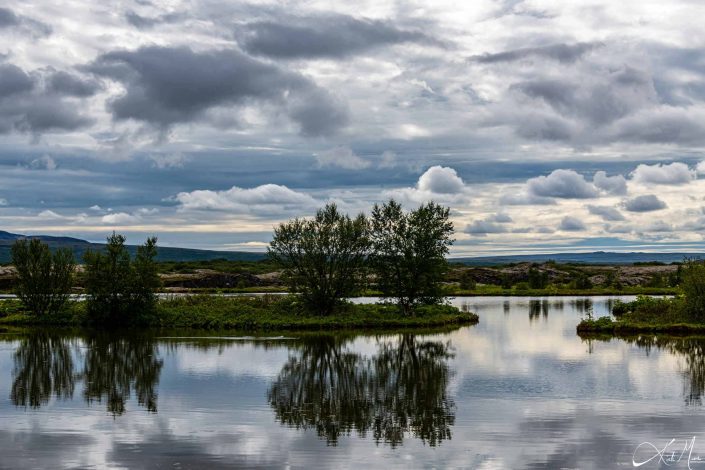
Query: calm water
{"type": "Point", "coordinates": [518, 390]}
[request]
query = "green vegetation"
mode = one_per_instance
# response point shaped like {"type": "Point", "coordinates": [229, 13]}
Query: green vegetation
{"type": "Point", "coordinates": [322, 258]}
{"type": "Point", "coordinates": [44, 278]}
{"type": "Point", "coordinates": [683, 313]}
{"type": "Point", "coordinates": [252, 313]}
{"type": "Point", "coordinates": [119, 288]}
{"type": "Point", "coordinates": [408, 253]}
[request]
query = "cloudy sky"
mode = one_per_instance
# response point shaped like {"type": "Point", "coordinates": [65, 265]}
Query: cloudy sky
{"type": "Point", "coordinates": [545, 126]}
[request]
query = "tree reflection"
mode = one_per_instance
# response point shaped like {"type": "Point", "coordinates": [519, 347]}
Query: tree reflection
{"type": "Point", "coordinates": [43, 367]}
{"type": "Point", "coordinates": [690, 350]}
{"type": "Point", "coordinates": [48, 365]}
{"type": "Point", "coordinates": [113, 366]}
{"type": "Point", "coordinates": [402, 389]}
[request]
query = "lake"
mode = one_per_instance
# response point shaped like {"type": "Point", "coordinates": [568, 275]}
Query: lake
{"type": "Point", "coordinates": [518, 390]}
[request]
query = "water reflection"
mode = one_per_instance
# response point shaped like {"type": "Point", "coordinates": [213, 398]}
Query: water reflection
{"type": "Point", "coordinates": [399, 390]}
{"type": "Point", "coordinates": [47, 365]}
{"type": "Point", "coordinates": [113, 367]}
{"type": "Point", "coordinates": [690, 351]}
{"type": "Point", "coordinates": [44, 367]}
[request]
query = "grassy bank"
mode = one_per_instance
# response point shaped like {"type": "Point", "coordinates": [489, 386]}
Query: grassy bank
{"type": "Point", "coordinates": [646, 315]}
{"type": "Point", "coordinates": [253, 314]}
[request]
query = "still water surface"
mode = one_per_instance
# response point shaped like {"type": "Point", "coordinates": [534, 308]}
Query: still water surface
{"type": "Point", "coordinates": [518, 390]}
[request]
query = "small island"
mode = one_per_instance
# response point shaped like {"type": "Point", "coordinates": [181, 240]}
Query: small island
{"type": "Point", "coordinates": [682, 314]}
{"type": "Point", "coordinates": [324, 261]}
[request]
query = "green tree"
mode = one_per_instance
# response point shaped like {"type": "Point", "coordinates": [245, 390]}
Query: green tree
{"type": "Point", "coordinates": [693, 285]}
{"type": "Point", "coordinates": [467, 282]}
{"type": "Point", "coordinates": [323, 258]}
{"type": "Point", "coordinates": [118, 288]}
{"type": "Point", "coordinates": [409, 252]}
{"type": "Point", "coordinates": [44, 278]}
{"type": "Point", "coordinates": [537, 279]}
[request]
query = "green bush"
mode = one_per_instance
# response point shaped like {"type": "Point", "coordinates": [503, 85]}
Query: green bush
{"type": "Point", "coordinates": [43, 279]}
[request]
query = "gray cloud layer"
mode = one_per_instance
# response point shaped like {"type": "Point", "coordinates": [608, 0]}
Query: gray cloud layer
{"type": "Point", "coordinates": [324, 36]}
{"type": "Point", "coordinates": [169, 85]}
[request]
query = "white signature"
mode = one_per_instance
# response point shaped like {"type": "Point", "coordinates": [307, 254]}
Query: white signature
{"type": "Point", "coordinates": [668, 455]}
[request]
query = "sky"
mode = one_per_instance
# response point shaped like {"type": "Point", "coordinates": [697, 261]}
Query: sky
{"type": "Point", "coordinates": [545, 126]}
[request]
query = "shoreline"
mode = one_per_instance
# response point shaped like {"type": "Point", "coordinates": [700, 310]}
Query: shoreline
{"type": "Point", "coordinates": [250, 314]}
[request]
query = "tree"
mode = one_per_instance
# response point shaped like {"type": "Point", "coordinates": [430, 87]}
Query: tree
{"type": "Point", "coordinates": [537, 279]}
{"type": "Point", "coordinates": [44, 278]}
{"type": "Point", "coordinates": [118, 288]}
{"type": "Point", "coordinates": [693, 285]}
{"type": "Point", "coordinates": [323, 258]}
{"type": "Point", "coordinates": [408, 252]}
{"type": "Point", "coordinates": [467, 282]}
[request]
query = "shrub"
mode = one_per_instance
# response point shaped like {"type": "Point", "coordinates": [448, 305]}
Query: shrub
{"type": "Point", "coordinates": [44, 279]}
{"type": "Point", "coordinates": [119, 290]}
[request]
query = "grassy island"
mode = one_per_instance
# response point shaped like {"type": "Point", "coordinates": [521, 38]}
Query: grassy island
{"type": "Point", "coordinates": [260, 313]}
{"type": "Point", "coordinates": [647, 315]}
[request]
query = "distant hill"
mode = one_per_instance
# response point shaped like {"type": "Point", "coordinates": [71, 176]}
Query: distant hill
{"type": "Point", "coordinates": [597, 257]}
{"type": "Point", "coordinates": [164, 253]}
{"type": "Point", "coordinates": [188, 254]}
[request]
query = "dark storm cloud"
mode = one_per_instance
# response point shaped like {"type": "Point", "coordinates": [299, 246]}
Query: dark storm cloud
{"type": "Point", "coordinates": [170, 85]}
{"type": "Point", "coordinates": [325, 36]}
{"type": "Point", "coordinates": [564, 53]}
{"type": "Point", "coordinates": [28, 106]}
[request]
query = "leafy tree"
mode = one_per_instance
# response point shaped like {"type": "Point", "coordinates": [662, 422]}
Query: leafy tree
{"type": "Point", "coordinates": [323, 258]}
{"type": "Point", "coordinates": [467, 282]}
{"type": "Point", "coordinates": [693, 285]}
{"type": "Point", "coordinates": [44, 278]}
{"type": "Point", "coordinates": [582, 281]}
{"type": "Point", "coordinates": [118, 288]}
{"type": "Point", "coordinates": [537, 279]}
{"type": "Point", "coordinates": [408, 252]}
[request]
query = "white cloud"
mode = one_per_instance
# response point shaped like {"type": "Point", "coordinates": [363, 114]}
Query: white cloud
{"type": "Point", "coordinates": [342, 157]}
{"type": "Point", "coordinates": [645, 203]}
{"type": "Point", "coordinates": [700, 168]}
{"type": "Point", "coordinates": [674, 173]}
{"type": "Point", "coordinates": [441, 180]}
{"type": "Point", "coordinates": [610, 184]}
{"type": "Point", "coordinates": [118, 218]}
{"type": "Point", "coordinates": [49, 214]}
{"type": "Point", "coordinates": [523, 198]}
{"type": "Point", "coordinates": [271, 197]}
{"type": "Point", "coordinates": [565, 184]}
